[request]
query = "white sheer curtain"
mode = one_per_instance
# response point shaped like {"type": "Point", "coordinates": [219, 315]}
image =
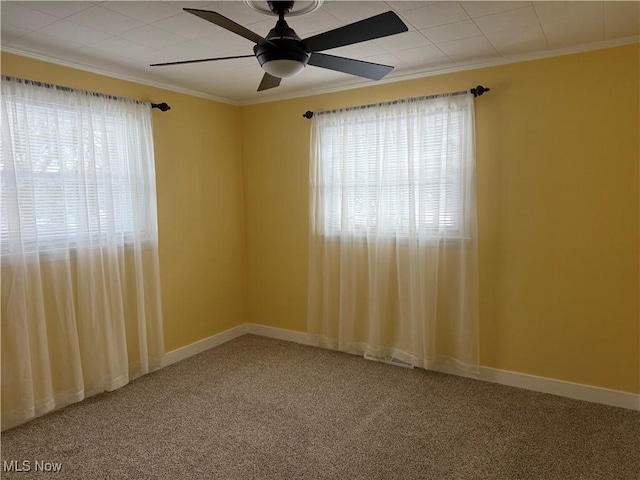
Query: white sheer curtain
{"type": "Point", "coordinates": [81, 310]}
{"type": "Point", "coordinates": [393, 243]}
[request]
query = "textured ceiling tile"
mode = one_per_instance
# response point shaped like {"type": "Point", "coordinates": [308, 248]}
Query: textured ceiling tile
{"type": "Point", "coordinates": [237, 11]}
{"type": "Point", "coordinates": [621, 19]}
{"type": "Point", "coordinates": [105, 20]}
{"type": "Point", "coordinates": [121, 47]}
{"type": "Point", "coordinates": [153, 37]}
{"type": "Point", "coordinates": [519, 41]}
{"type": "Point", "coordinates": [468, 48]}
{"type": "Point", "coordinates": [567, 24]}
{"type": "Point", "coordinates": [58, 9]}
{"type": "Point", "coordinates": [46, 44]}
{"type": "Point", "coordinates": [437, 14]}
{"type": "Point", "coordinates": [452, 31]}
{"type": "Point", "coordinates": [404, 6]}
{"type": "Point", "coordinates": [349, 12]}
{"type": "Point", "coordinates": [190, 50]}
{"type": "Point", "coordinates": [187, 25]}
{"type": "Point", "coordinates": [428, 53]}
{"type": "Point", "coordinates": [188, 4]}
{"type": "Point", "coordinates": [74, 32]}
{"type": "Point", "coordinates": [511, 20]}
{"type": "Point", "coordinates": [9, 33]}
{"type": "Point", "coordinates": [568, 10]}
{"type": "Point", "coordinates": [481, 8]}
{"type": "Point", "coordinates": [24, 17]}
{"type": "Point", "coordinates": [146, 12]}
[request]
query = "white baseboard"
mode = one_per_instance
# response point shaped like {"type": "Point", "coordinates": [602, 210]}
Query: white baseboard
{"type": "Point", "coordinates": [203, 345]}
{"type": "Point", "coordinates": [578, 391]}
{"type": "Point", "coordinates": [278, 333]}
{"type": "Point", "coordinates": [552, 386]}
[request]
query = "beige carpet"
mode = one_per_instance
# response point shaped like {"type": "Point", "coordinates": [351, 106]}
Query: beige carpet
{"type": "Point", "coordinates": [257, 408]}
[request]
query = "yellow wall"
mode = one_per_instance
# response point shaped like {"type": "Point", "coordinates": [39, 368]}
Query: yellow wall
{"type": "Point", "coordinates": [200, 202]}
{"type": "Point", "coordinates": [558, 154]}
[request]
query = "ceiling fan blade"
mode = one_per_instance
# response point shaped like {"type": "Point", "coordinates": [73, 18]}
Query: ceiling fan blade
{"type": "Point", "coordinates": [370, 28]}
{"type": "Point", "coordinates": [199, 60]}
{"type": "Point", "coordinates": [225, 23]}
{"type": "Point", "coordinates": [373, 71]}
{"type": "Point", "coordinates": [268, 81]}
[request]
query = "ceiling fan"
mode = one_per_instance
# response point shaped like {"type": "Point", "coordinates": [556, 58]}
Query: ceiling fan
{"type": "Point", "coordinates": [283, 54]}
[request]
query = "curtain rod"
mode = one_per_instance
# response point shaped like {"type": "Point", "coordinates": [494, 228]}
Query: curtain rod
{"type": "Point", "coordinates": [163, 107]}
{"type": "Point", "coordinates": [477, 91]}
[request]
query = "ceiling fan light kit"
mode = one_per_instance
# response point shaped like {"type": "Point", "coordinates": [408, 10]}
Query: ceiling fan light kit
{"type": "Point", "coordinates": [283, 68]}
{"type": "Point", "coordinates": [282, 54]}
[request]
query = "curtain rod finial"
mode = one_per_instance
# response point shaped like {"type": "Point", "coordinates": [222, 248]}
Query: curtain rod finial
{"type": "Point", "coordinates": [163, 107]}
{"type": "Point", "coordinates": [308, 114]}
{"type": "Point", "coordinates": [479, 90]}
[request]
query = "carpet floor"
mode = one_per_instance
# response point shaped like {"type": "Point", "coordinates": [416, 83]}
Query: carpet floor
{"type": "Point", "coordinates": [258, 408]}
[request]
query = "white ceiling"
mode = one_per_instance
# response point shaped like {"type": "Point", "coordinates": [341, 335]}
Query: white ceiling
{"type": "Point", "coordinates": [122, 38]}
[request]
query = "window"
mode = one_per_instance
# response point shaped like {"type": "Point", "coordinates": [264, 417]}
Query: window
{"type": "Point", "coordinates": [81, 307]}
{"type": "Point", "coordinates": [395, 170]}
{"type": "Point", "coordinates": [72, 168]}
{"type": "Point", "coordinates": [393, 242]}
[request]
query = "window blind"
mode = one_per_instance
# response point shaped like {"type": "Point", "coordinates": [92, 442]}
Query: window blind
{"type": "Point", "coordinates": [393, 173]}
{"type": "Point", "coordinates": [73, 173]}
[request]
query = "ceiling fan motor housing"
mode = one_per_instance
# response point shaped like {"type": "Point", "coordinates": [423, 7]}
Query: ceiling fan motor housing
{"type": "Point", "coordinates": [282, 44]}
